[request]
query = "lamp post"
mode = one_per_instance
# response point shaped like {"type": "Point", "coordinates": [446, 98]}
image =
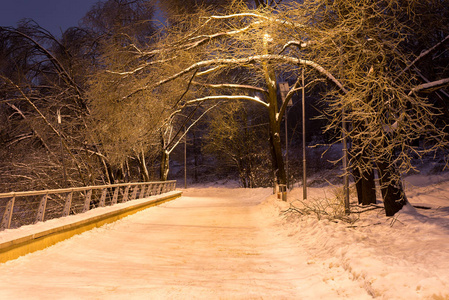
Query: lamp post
{"type": "Point", "coordinates": [345, 149]}
{"type": "Point", "coordinates": [304, 160]}
{"type": "Point", "coordinates": [345, 164]}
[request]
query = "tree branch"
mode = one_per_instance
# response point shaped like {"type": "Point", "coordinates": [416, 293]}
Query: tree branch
{"type": "Point", "coordinates": [240, 61]}
{"type": "Point", "coordinates": [187, 89]}
{"type": "Point", "coordinates": [191, 125]}
{"type": "Point", "coordinates": [430, 85]}
{"type": "Point", "coordinates": [233, 86]}
{"type": "Point", "coordinates": [289, 96]}
{"type": "Point", "coordinates": [64, 143]}
{"type": "Point", "coordinates": [423, 54]}
{"type": "Point", "coordinates": [55, 62]}
{"type": "Point", "coordinates": [248, 60]}
{"type": "Point", "coordinates": [294, 43]}
{"type": "Point", "coordinates": [32, 127]}
{"type": "Point", "coordinates": [206, 38]}
{"type": "Point", "coordinates": [225, 97]}
{"type": "Point", "coordinates": [140, 68]}
{"type": "Point", "coordinates": [270, 19]}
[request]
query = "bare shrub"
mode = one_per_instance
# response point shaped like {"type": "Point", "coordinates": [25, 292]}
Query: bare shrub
{"type": "Point", "coordinates": [329, 207]}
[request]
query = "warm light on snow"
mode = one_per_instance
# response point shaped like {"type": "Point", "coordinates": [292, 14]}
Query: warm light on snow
{"type": "Point", "coordinates": [223, 242]}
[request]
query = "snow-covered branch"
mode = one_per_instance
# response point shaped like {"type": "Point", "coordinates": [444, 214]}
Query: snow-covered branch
{"type": "Point", "coordinates": [254, 59]}
{"type": "Point", "coordinates": [209, 71]}
{"type": "Point", "coordinates": [226, 97]}
{"type": "Point", "coordinates": [173, 146]}
{"type": "Point", "coordinates": [430, 85]}
{"type": "Point", "coordinates": [294, 43]}
{"type": "Point", "coordinates": [259, 16]}
{"type": "Point", "coordinates": [206, 38]}
{"type": "Point", "coordinates": [140, 68]}
{"type": "Point", "coordinates": [232, 86]}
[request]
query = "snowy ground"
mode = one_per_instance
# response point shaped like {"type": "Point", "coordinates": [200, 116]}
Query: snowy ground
{"type": "Point", "coordinates": [400, 257]}
{"type": "Point", "coordinates": [230, 243]}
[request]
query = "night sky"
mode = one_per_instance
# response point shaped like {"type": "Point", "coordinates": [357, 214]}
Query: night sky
{"type": "Point", "coordinates": [53, 15]}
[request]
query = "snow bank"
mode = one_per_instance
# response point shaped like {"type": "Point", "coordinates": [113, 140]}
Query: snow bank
{"type": "Point", "coordinates": [400, 257]}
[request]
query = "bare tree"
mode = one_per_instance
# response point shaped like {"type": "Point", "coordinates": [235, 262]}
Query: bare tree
{"type": "Point", "coordinates": [239, 53]}
{"type": "Point", "coordinates": [116, 129]}
{"type": "Point", "coordinates": [43, 89]}
{"type": "Point", "coordinates": [359, 43]}
{"type": "Point", "coordinates": [253, 44]}
{"type": "Point", "coordinates": [41, 85]}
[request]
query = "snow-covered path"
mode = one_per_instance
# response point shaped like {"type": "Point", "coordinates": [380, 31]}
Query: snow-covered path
{"type": "Point", "coordinates": [209, 244]}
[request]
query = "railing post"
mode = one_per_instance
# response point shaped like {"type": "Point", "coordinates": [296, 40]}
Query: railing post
{"type": "Point", "coordinates": [148, 194]}
{"type": "Point", "coordinates": [142, 192]}
{"type": "Point", "coordinates": [134, 194]}
{"type": "Point", "coordinates": [161, 186]}
{"type": "Point", "coordinates": [67, 204]}
{"type": "Point", "coordinates": [86, 206]}
{"type": "Point", "coordinates": [7, 215]}
{"type": "Point", "coordinates": [151, 188]}
{"type": "Point", "coordinates": [125, 194]}
{"type": "Point", "coordinates": [41, 210]}
{"type": "Point", "coordinates": [103, 197]}
{"type": "Point", "coordinates": [115, 197]}
{"type": "Point", "coordinates": [156, 188]}
{"type": "Point", "coordinates": [122, 193]}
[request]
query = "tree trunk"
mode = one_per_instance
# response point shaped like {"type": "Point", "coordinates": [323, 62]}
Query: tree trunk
{"type": "Point", "coordinates": [391, 187]}
{"type": "Point", "coordinates": [241, 170]}
{"type": "Point", "coordinates": [277, 159]}
{"type": "Point", "coordinates": [280, 176]}
{"type": "Point", "coordinates": [143, 167]}
{"type": "Point", "coordinates": [363, 175]}
{"type": "Point", "coordinates": [196, 156]}
{"type": "Point", "coordinates": [364, 181]}
{"type": "Point", "coordinates": [165, 167]}
{"type": "Point", "coordinates": [365, 186]}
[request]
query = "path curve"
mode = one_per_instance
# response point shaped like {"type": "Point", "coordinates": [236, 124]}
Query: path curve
{"type": "Point", "coordinates": [213, 243]}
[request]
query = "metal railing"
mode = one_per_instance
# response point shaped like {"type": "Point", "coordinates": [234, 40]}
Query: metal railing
{"type": "Point", "coordinates": [24, 208]}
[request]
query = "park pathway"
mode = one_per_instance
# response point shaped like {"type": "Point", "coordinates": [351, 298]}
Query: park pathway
{"type": "Point", "coordinates": [211, 243]}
